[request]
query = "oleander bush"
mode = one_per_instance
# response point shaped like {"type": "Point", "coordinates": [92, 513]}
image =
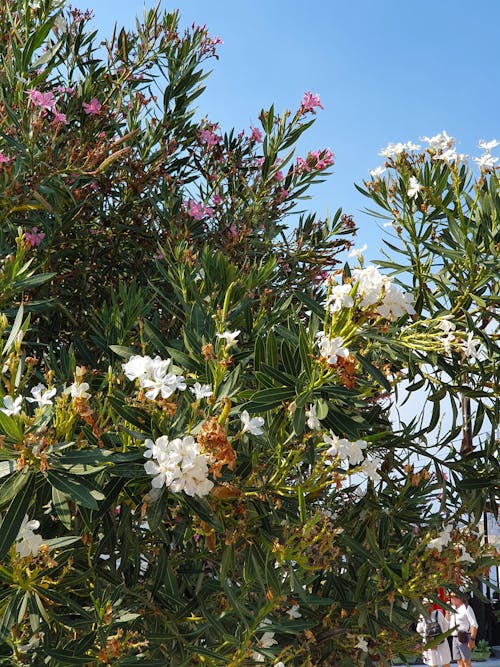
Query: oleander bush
{"type": "Point", "coordinates": [202, 462]}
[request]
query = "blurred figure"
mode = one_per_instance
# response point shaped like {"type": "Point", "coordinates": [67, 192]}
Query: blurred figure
{"type": "Point", "coordinates": [463, 621]}
{"type": "Point", "coordinates": [440, 654]}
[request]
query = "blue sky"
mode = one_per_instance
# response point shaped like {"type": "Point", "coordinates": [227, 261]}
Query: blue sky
{"type": "Point", "coordinates": [386, 71]}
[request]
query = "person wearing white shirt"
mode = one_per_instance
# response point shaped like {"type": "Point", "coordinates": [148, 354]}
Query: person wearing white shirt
{"type": "Point", "coordinates": [463, 621]}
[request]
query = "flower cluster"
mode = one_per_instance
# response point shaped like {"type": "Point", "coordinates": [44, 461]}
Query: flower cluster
{"type": "Point", "coordinates": [154, 376]}
{"type": "Point", "coordinates": [315, 160]}
{"type": "Point", "coordinates": [441, 148]}
{"type": "Point", "coordinates": [375, 288]}
{"type": "Point", "coordinates": [352, 453]}
{"type": "Point", "coordinates": [178, 464]}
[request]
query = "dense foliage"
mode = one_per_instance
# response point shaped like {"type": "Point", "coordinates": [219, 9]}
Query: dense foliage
{"type": "Point", "coordinates": [201, 462]}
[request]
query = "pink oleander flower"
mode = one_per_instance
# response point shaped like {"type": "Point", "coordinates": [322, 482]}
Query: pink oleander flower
{"type": "Point", "coordinates": [34, 237]}
{"type": "Point", "coordinates": [256, 135]}
{"type": "Point", "coordinates": [309, 102]}
{"type": "Point", "coordinates": [4, 159]}
{"type": "Point", "coordinates": [317, 160]}
{"type": "Point", "coordinates": [217, 200]}
{"type": "Point", "coordinates": [210, 138]}
{"type": "Point", "coordinates": [42, 100]}
{"type": "Point", "coordinates": [93, 107]}
{"type": "Point", "coordinates": [198, 210]}
{"type": "Point", "coordinates": [59, 117]}
{"type": "Point", "coordinates": [278, 176]}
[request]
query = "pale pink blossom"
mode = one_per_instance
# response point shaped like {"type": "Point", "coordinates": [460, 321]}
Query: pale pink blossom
{"type": "Point", "coordinates": [4, 159]}
{"type": "Point", "coordinates": [59, 117]}
{"type": "Point", "coordinates": [93, 107]}
{"type": "Point", "coordinates": [309, 102]}
{"type": "Point", "coordinates": [34, 237]}
{"type": "Point", "coordinates": [210, 138]}
{"type": "Point", "coordinates": [198, 210]}
{"type": "Point", "coordinates": [256, 135]}
{"type": "Point", "coordinates": [42, 100]}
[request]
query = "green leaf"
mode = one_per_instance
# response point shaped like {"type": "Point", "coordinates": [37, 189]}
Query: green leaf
{"type": "Point", "coordinates": [66, 658]}
{"type": "Point", "coordinates": [15, 514]}
{"type": "Point", "coordinates": [269, 398]}
{"type": "Point", "coordinates": [77, 490]}
{"type": "Point", "coordinates": [61, 506]}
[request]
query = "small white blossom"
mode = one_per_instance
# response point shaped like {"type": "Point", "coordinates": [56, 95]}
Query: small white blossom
{"type": "Point", "coordinates": [362, 644]}
{"type": "Point", "coordinates": [231, 337]}
{"type": "Point", "coordinates": [393, 150]}
{"type": "Point", "coordinates": [440, 142]}
{"type": "Point", "coordinates": [27, 543]}
{"type": "Point", "coordinates": [251, 425]}
{"type": "Point", "coordinates": [370, 282]}
{"type": "Point", "coordinates": [201, 391]}
{"type": "Point", "coordinates": [472, 347]}
{"type": "Point", "coordinates": [486, 161]}
{"type": "Point", "coordinates": [294, 612]}
{"type": "Point", "coordinates": [345, 449]}
{"type": "Point", "coordinates": [488, 145]}
{"type": "Point", "coordinates": [358, 252]}
{"type": "Point", "coordinates": [312, 419]}
{"type": "Point", "coordinates": [41, 395]}
{"type": "Point", "coordinates": [414, 187]}
{"type": "Point", "coordinates": [369, 468]}
{"type": "Point", "coordinates": [12, 406]}
{"type": "Point", "coordinates": [266, 641]}
{"type": "Point", "coordinates": [465, 556]}
{"type": "Point", "coordinates": [446, 325]}
{"type": "Point", "coordinates": [78, 390]}
{"type": "Point", "coordinates": [340, 297]}
{"type": "Point", "coordinates": [331, 348]}
{"type": "Point", "coordinates": [442, 540]}
{"type": "Point", "coordinates": [377, 172]}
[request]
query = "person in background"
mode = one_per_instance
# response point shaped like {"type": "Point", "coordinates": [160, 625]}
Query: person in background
{"type": "Point", "coordinates": [440, 654]}
{"type": "Point", "coordinates": [463, 621]}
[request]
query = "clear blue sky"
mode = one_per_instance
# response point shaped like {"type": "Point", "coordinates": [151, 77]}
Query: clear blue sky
{"type": "Point", "coordinates": [386, 71]}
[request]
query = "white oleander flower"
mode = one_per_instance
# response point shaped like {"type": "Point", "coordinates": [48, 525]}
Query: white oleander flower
{"type": "Point", "coordinates": [78, 390]}
{"type": "Point", "coordinates": [440, 142]}
{"type": "Point", "coordinates": [345, 449]}
{"type": "Point", "coordinates": [178, 464]}
{"type": "Point", "coordinates": [377, 172]}
{"type": "Point", "coordinates": [11, 406]}
{"type": "Point", "coordinates": [41, 395]}
{"type": "Point", "coordinates": [488, 145]}
{"type": "Point", "coordinates": [27, 542]}
{"type": "Point", "coordinates": [370, 282]}
{"type": "Point", "coordinates": [442, 540]}
{"type": "Point", "coordinates": [138, 366]}
{"type": "Point", "coordinates": [201, 391]}
{"type": "Point", "coordinates": [340, 297]}
{"type": "Point", "coordinates": [486, 161]}
{"type": "Point", "coordinates": [362, 644]}
{"type": "Point", "coordinates": [312, 419]}
{"type": "Point", "coordinates": [414, 187]}
{"type": "Point", "coordinates": [251, 425]}
{"type": "Point", "coordinates": [369, 468]}
{"type": "Point", "coordinates": [231, 337]}
{"type": "Point", "coordinates": [331, 348]}
{"type": "Point", "coordinates": [395, 302]}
